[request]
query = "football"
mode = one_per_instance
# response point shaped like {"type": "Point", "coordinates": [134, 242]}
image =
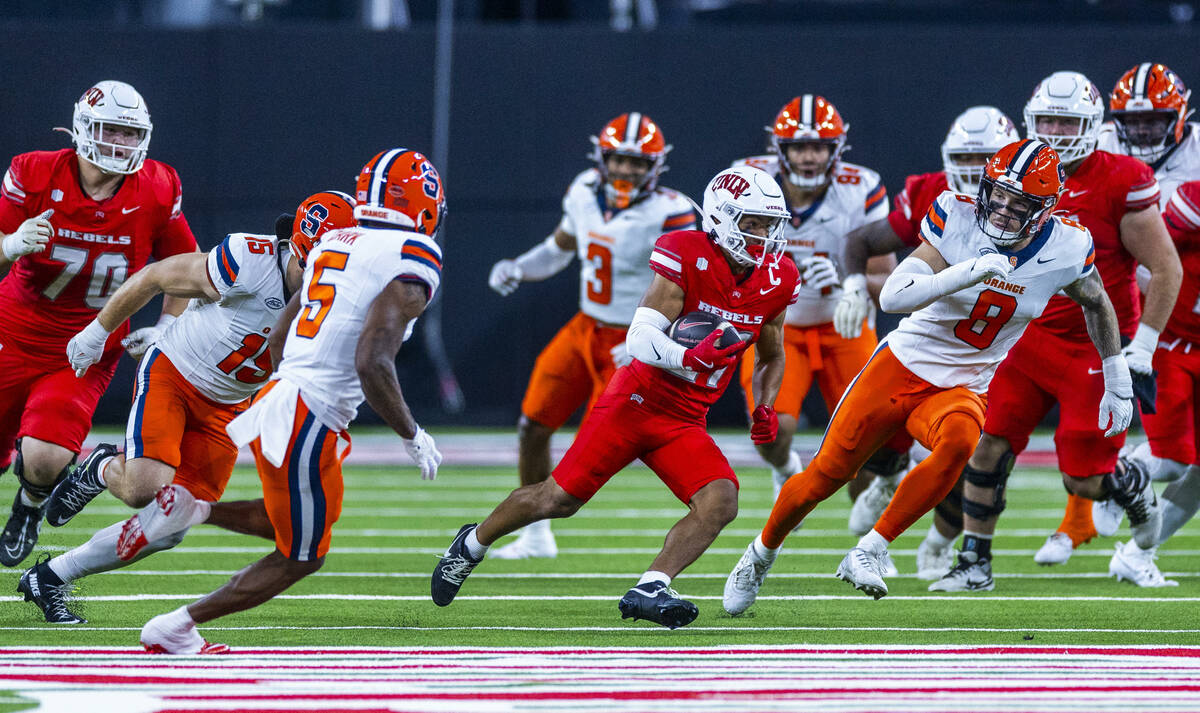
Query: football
{"type": "Point", "coordinates": [691, 329]}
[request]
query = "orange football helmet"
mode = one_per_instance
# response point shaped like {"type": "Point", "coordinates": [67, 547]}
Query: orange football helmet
{"type": "Point", "coordinates": [400, 188]}
{"type": "Point", "coordinates": [1030, 175]}
{"type": "Point", "coordinates": [317, 215]}
{"type": "Point", "coordinates": [1149, 109]}
{"type": "Point", "coordinates": [635, 135]}
{"type": "Point", "coordinates": [809, 119]}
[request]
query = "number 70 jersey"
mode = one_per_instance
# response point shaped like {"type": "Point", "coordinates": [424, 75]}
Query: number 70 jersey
{"type": "Point", "coordinates": [960, 339]}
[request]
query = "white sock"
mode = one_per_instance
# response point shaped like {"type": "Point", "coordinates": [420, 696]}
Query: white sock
{"type": "Point", "coordinates": [203, 510]}
{"type": "Point", "coordinates": [99, 554]}
{"type": "Point", "coordinates": [935, 538]}
{"type": "Point", "coordinates": [475, 548]}
{"type": "Point", "coordinates": [100, 471]}
{"type": "Point", "coordinates": [180, 619]}
{"type": "Point", "coordinates": [29, 501]}
{"type": "Point", "coordinates": [654, 576]}
{"type": "Point", "coordinates": [873, 542]}
{"type": "Point", "coordinates": [762, 550]}
{"type": "Point", "coordinates": [541, 528]}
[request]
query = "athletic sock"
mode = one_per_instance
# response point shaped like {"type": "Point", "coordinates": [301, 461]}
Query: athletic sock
{"type": "Point", "coordinates": [475, 548]}
{"type": "Point", "coordinates": [977, 543]}
{"type": "Point", "coordinates": [654, 576]}
{"type": "Point", "coordinates": [1077, 520]}
{"type": "Point", "coordinates": [936, 539]}
{"type": "Point", "coordinates": [873, 542]}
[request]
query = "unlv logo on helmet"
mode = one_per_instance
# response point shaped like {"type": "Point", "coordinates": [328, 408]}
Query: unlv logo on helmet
{"type": "Point", "coordinates": [92, 96]}
{"type": "Point", "coordinates": [733, 183]}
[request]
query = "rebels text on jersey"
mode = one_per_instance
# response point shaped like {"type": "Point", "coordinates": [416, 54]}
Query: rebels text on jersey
{"type": "Point", "coordinates": [960, 339]}
{"type": "Point", "coordinates": [694, 262]}
{"type": "Point", "coordinates": [614, 246]}
{"type": "Point", "coordinates": [855, 196]}
{"type": "Point", "coordinates": [1179, 165]}
{"type": "Point", "coordinates": [912, 204]}
{"type": "Point", "coordinates": [1098, 195]}
{"type": "Point", "coordinates": [1182, 216]}
{"type": "Point", "coordinates": [47, 297]}
{"type": "Point", "coordinates": [221, 347]}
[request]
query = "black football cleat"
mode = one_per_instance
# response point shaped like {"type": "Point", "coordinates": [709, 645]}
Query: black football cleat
{"type": "Point", "coordinates": [43, 587]}
{"type": "Point", "coordinates": [453, 568]}
{"type": "Point", "coordinates": [79, 488]}
{"type": "Point", "coordinates": [20, 532]}
{"type": "Point", "coordinates": [656, 602]}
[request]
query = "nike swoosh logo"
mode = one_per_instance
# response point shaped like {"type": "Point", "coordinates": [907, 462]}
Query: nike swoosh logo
{"type": "Point", "coordinates": [1076, 194]}
{"type": "Point", "coordinates": [704, 364]}
{"type": "Point", "coordinates": [910, 284]}
{"type": "Point", "coordinates": [1095, 371]}
{"type": "Point", "coordinates": [1040, 261]}
{"type": "Point", "coordinates": [127, 211]}
{"type": "Point", "coordinates": [656, 354]}
{"type": "Point", "coordinates": [761, 291]}
{"type": "Point", "coordinates": [689, 325]}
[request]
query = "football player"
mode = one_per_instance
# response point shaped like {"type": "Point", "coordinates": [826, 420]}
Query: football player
{"type": "Point", "coordinates": [986, 267]}
{"type": "Point", "coordinates": [612, 214]}
{"type": "Point", "coordinates": [1116, 198]}
{"type": "Point", "coordinates": [655, 407]}
{"type": "Point", "coordinates": [974, 136]}
{"type": "Point", "coordinates": [363, 289]}
{"type": "Point", "coordinates": [78, 223]}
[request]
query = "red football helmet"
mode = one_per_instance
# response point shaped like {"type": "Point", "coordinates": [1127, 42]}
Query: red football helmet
{"type": "Point", "coordinates": [635, 135]}
{"type": "Point", "coordinates": [317, 215]}
{"type": "Point", "coordinates": [1149, 109]}
{"type": "Point", "coordinates": [401, 188]}
{"type": "Point", "coordinates": [1020, 186]}
{"type": "Point", "coordinates": [809, 119]}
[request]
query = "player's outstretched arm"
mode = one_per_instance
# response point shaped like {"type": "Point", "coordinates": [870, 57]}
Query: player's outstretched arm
{"type": "Point", "coordinates": [543, 260]}
{"type": "Point", "coordinates": [1116, 406]}
{"type": "Point", "coordinates": [925, 276]}
{"type": "Point", "coordinates": [375, 361]}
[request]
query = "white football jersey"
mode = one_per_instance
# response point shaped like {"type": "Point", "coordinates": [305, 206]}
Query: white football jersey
{"type": "Point", "coordinates": [960, 339]}
{"type": "Point", "coordinates": [1179, 166]}
{"type": "Point", "coordinates": [856, 196]}
{"type": "Point", "coordinates": [614, 246]}
{"type": "Point", "coordinates": [221, 347]}
{"type": "Point", "coordinates": [346, 271]}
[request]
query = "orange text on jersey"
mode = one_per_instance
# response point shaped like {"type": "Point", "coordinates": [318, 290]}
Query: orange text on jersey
{"type": "Point", "coordinates": [1005, 286]}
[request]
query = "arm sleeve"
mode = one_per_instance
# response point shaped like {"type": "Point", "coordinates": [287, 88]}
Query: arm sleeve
{"type": "Point", "coordinates": [544, 260]}
{"type": "Point", "coordinates": [647, 340]}
{"type": "Point", "coordinates": [914, 285]}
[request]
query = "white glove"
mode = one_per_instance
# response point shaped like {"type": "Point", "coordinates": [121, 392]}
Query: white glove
{"type": "Point", "coordinates": [1117, 403]}
{"type": "Point", "coordinates": [424, 453]}
{"type": "Point", "coordinates": [87, 347]}
{"type": "Point", "coordinates": [505, 277]}
{"type": "Point", "coordinates": [989, 266]}
{"type": "Point", "coordinates": [620, 355]}
{"type": "Point", "coordinates": [30, 237]}
{"type": "Point", "coordinates": [818, 273]}
{"type": "Point", "coordinates": [853, 307]}
{"type": "Point", "coordinates": [1140, 352]}
{"type": "Point", "coordinates": [139, 340]}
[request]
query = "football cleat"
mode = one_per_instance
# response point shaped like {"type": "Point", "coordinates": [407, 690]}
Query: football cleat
{"type": "Point", "coordinates": [656, 602]}
{"type": "Point", "coordinates": [966, 577]}
{"type": "Point", "coordinates": [865, 569]}
{"type": "Point", "coordinates": [172, 510]}
{"type": "Point", "coordinates": [1056, 550]}
{"type": "Point", "coordinates": [933, 562]}
{"type": "Point", "coordinates": [1134, 491]}
{"type": "Point", "coordinates": [529, 545]}
{"type": "Point", "coordinates": [1107, 516]}
{"type": "Point", "coordinates": [1132, 563]}
{"type": "Point", "coordinates": [452, 570]}
{"type": "Point", "coordinates": [43, 587]}
{"type": "Point", "coordinates": [79, 488]}
{"type": "Point", "coordinates": [743, 583]}
{"type": "Point", "coordinates": [870, 504]}
{"type": "Point", "coordinates": [160, 636]}
{"type": "Point", "coordinates": [20, 532]}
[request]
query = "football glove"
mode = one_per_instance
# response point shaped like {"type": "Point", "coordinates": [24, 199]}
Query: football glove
{"type": "Point", "coordinates": [620, 355]}
{"type": "Point", "coordinates": [764, 426]}
{"type": "Point", "coordinates": [818, 273]}
{"type": "Point", "coordinates": [424, 453]}
{"type": "Point", "coordinates": [1116, 406]}
{"type": "Point", "coordinates": [505, 277]}
{"type": "Point", "coordinates": [1139, 353]}
{"type": "Point", "coordinates": [989, 266]}
{"type": "Point", "coordinates": [30, 237]}
{"type": "Point", "coordinates": [139, 340]}
{"type": "Point", "coordinates": [707, 356]}
{"type": "Point", "coordinates": [852, 309]}
{"type": "Point", "coordinates": [87, 347]}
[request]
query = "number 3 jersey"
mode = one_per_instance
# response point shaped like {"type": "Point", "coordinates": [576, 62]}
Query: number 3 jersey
{"type": "Point", "coordinates": [614, 247]}
{"type": "Point", "coordinates": [47, 297]}
{"type": "Point", "coordinates": [346, 271]}
{"type": "Point", "coordinates": [221, 347]}
{"type": "Point", "coordinates": [960, 339]}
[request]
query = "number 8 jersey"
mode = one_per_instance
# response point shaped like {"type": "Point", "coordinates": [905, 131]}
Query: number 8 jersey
{"type": "Point", "coordinates": [961, 338]}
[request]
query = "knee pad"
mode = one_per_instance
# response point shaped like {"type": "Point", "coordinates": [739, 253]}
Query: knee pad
{"type": "Point", "coordinates": [38, 491]}
{"type": "Point", "coordinates": [951, 509]}
{"type": "Point", "coordinates": [887, 462]}
{"type": "Point", "coordinates": [994, 478]}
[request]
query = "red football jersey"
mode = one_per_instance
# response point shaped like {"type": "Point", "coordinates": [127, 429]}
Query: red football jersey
{"type": "Point", "coordinates": [1101, 191]}
{"type": "Point", "coordinates": [1182, 216]}
{"type": "Point", "coordinates": [49, 296]}
{"type": "Point", "coordinates": [694, 262]}
{"type": "Point", "coordinates": [913, 203]}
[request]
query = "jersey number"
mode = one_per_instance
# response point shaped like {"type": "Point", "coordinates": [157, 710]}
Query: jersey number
{"type": "Point", "coordinates": [322, 294]}
{"type": "Point", "coordinates": [991, 312]}
{"type": "Point", "coordinates": [253, 347]}
{"type": "Point", "coordinates": [108, 272]}
{"type": "Point", "coordinates": [599, 286]}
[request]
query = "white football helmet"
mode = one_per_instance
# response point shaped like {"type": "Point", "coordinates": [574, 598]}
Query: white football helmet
{"type": "Point", "coordinates": [110, 103]}
{"type": "Point", "coordinates": [982, 131]}
{"type": "Point", "coordinates": [735, 193]}
{"type": "Point", "coordinates": [1068, 94]}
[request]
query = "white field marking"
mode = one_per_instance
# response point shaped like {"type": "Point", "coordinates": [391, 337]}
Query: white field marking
{"type": "Point", "coordinates": [608, 597]}
{"type": "Point", "coordinates": [466, 511]}
{"type": "Point", "coordinates": [632, 629]}
{"type": "Point", "coordinates": [771, 652]}
{"type": "Point", "coordinates": [589, 575]}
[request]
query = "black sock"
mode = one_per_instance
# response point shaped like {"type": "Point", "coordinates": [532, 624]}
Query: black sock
{"type": "Point", "coordinates": [981, 547]}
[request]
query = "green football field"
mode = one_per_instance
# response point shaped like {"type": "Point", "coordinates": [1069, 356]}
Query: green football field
{"type": "Point", "coordinates": [374, 588]}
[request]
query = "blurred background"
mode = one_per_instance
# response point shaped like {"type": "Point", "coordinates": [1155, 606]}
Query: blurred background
{"type": "Point", "coordinates": [258, 103]}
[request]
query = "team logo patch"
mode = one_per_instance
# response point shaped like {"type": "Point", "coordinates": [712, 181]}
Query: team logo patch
{"type": "Point", "coordinates": [274, 303]}
{"type": "Point", "coordinates": [56, 195]}
{"type": "Point", "coordinates": [701, 263]}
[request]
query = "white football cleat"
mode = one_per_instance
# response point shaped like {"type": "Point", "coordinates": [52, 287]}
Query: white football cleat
{"type": "Point", "coordinates": [173, 510]}
{"type": "Point", "coordinates": [870, 504]}
{"type": "Point", "coordinates": [932, 562]}
{"type": "Point", "coordinates": [864, 569]}
{"type": "Point", "coordinates": [161, 635]}
{"type": "Point", "coordinates": [530, 544]}
{"type": "Point", "coordinates": [741, 588]}
{"type": "Point", "coordinates": [1107, 516]}
{"type": "Point", "coordinates": [1056, 550]}
{"type": "Point", "coordinates": [1132, 563]}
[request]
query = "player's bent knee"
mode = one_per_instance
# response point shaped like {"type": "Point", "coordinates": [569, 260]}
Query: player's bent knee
{"type": "Point", "coordinates": [996, 478]}
{"type": "Point", "coordinates": [550, 500]}
{"type": "Point", "coordinates": [35, 470]}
